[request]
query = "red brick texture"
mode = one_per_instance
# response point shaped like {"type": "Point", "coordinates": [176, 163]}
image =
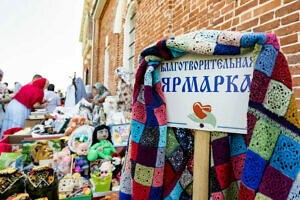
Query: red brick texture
{"type": "Point", "coordinates": [162, 19]}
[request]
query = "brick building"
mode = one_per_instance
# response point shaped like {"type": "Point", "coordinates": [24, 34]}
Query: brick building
{"type": "Point", "coordinates": [121, 29]}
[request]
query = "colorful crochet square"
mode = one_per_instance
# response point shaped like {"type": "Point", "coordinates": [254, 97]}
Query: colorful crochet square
{"type": "Point", "coordinates": [259, 87]}
{"type": "Point", "coordinates": [266, 59]}
{"type": "Point", "coordinates": [263, 139]}
{"type": "Point", "coordinates": [237, 163]}
{"type": "Point", "coordinates": [264, 163]}
{"type": "Point", "coordinates": [286, 157]}
{"type": "Point", "coordinates": [278, 98]}
{"type": "Point", "coordinates": [143, 175]}
{"type": "Point", "coordinates": [274, 184]}
{"type": "Point", "coordinates": [253, 170]}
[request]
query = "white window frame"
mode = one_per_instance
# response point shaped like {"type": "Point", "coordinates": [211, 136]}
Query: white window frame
{"type": "Point", "coordinates": [128, 26]}
{"type": "Point", "coordinates": [106, 67]}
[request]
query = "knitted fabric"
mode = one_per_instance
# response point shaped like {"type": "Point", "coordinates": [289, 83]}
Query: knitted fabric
{"type": "Point", "coordinates": [260, 165]}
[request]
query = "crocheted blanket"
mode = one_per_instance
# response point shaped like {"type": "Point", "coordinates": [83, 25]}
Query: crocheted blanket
{"type": "Point", "coordinates": [261, 165]}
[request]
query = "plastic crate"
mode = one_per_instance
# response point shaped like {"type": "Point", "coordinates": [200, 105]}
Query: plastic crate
{"type": "Point", "coordinates": [83, 197]}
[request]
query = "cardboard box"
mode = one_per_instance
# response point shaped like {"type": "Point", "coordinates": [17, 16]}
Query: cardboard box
{"type": "Point", "coordinates": [15, 141]}
{"type": "Point", "coordinates": [30, 123]}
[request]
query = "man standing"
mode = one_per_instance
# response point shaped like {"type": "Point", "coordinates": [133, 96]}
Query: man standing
{"type": "Point", "coordinates": [52, 98]}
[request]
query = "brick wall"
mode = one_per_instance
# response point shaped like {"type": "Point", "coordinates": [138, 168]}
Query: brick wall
{"type": "Point", "coordinates": [104, 27]}
{"type": "Point", "coordinates": [162, 19]}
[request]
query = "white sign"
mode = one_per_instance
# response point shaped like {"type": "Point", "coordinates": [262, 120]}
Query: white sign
{"type": "Point", "coordinates": [208, 92]}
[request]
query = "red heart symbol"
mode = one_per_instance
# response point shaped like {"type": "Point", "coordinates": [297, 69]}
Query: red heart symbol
{"type": "Point", "coordinates": [198, 110]}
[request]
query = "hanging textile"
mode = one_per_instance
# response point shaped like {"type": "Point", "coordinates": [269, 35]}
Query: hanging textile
{"type": "Point", "coordinates": [263, 164]}
{"type": "Point", "coordinates": [70, 96]}
{"type": "Point", "coordinates": [80, 90]}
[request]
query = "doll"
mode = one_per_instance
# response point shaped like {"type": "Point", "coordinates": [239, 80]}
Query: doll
{"type": "Point", "coordinates": [116, 165]}
{"type": "Point", "coordinates": [81, 163]}
{"type": "Point", "coordinates": [101, 147]}
{"type": "Point", "coordinates": [62, 162]}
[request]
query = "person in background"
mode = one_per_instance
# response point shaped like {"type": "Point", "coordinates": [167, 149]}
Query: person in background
{"type": "Point", "coordinates": [52, 98]}
{"type": "Point", "coordinates": [6, 92]}
{"type": "Point", "coordinates": [36, 77]}
{"type": "Point", "coordinates": [30, 97]}
{"type": "Point", "coordinates": [61, 96]}
{"type": "Point", "coordinates": [17, 87]}
{"type": "Point", "coordinates": [100, 92]}
{"type": "Point", "coordinates": [89, 92]}
{"type": "Point", "coordinates": [3, 99]}
{"type": "Point", "coordinates": [124, 90]}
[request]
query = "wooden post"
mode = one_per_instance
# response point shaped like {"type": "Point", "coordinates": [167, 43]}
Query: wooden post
{"type": "Point", "coordinates": [201, 165]}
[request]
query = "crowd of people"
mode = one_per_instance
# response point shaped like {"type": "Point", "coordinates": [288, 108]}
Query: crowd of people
{"type": "Point", "coordinates": [39, 94]}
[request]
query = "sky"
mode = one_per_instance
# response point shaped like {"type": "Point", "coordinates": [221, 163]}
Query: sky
{"type": "Point", "coordinates": [40, 37]}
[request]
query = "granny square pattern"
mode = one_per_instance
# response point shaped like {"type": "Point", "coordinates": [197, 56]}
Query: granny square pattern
{"type": "Point", "coordinates": [262, 165]}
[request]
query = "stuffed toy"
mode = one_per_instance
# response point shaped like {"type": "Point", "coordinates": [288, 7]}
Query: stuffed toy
{"type": "Point", "coordinates": [116, 165]}
{"type": "Point", "coordinates": [41, 151]}
{"type": "Point", "coordinates": [81, 163]}
{"type": "Point", "coordinates": [102, 146]}
{"type": "Point", "coordinates": [75, 123]}
{"type": "Point", "coordinates": [106, 168]}
{"type": "Point", "coordinates": [62, 162]}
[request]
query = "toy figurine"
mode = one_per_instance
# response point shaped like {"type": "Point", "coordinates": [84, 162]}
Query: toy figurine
{"type": "Point", "coordinates": [62, 162]}
{"type": "Point", "coordinates": [101, 147]}
{"type": "Point", "coordinates": [116, 165]}
{"type": "Point", "coordinates": [81, 163]}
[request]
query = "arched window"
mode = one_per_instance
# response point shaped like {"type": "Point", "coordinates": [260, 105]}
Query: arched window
{"type": "Point", "coordinates": [129, 39]}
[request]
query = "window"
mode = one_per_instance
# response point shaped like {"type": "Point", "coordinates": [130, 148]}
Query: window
{"type": "Point", "coordinates": [106, 66]}
{"type": "Point", "coordinates": [129, 39]}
